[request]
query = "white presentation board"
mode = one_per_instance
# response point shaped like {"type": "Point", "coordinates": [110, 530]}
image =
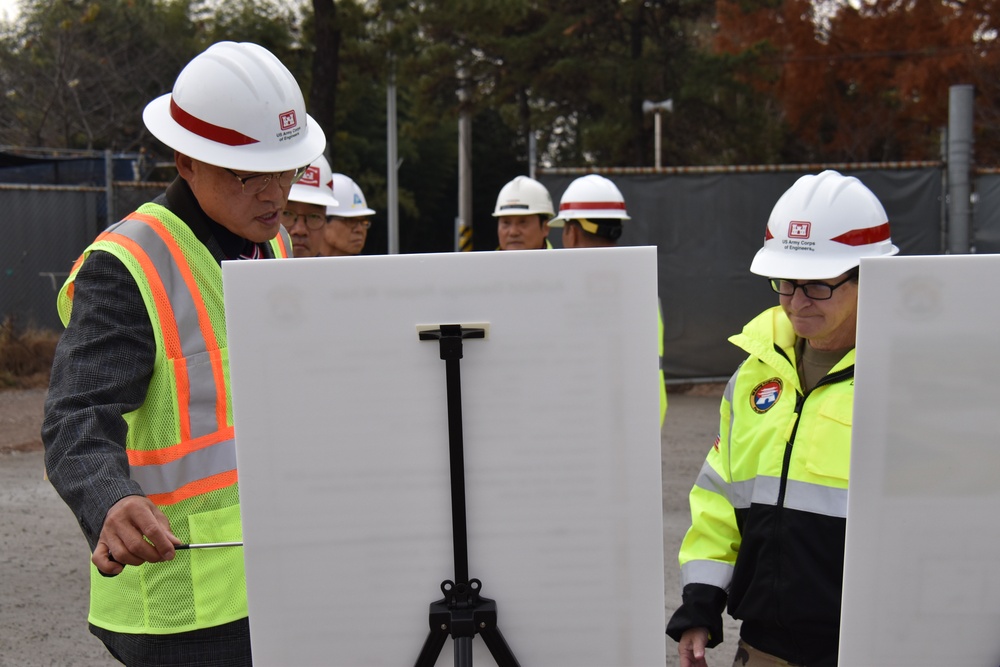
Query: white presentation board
{"type": "Point", "coordinates": [922, 577]}
{"type": "Point", "coordinates": [342, 444]}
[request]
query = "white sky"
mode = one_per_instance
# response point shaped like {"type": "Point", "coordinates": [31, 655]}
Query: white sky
{"type": "Point", "coordinates": [9, 8]}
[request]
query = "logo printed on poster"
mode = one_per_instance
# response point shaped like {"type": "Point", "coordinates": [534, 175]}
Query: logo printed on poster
{"type": "Point", "coordinates": [799, 229]}
{"type": "Point", "coordinates": [287, 120]}
{"type": "Point", "coordinates": [765, 395]}
{"type": "Point", "coordinates": [310, 177]}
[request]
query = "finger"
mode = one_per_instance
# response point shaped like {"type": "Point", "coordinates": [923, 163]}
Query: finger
{"type": "Point", "coordinates": [105, 563]}
{"type": "Point", "coordinates": [137, 532]}
{"type": "Point", "coordinates": [158, 533]}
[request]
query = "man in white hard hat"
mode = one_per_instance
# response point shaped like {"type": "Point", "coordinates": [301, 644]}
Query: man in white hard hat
{"type": "Point", "coordinates": [347, 221]}
{"type": "Point", "coordinates": [770, 504]}
{"type": "Point", "coordinates": [138, 426]}
{"type": "Point", "coordinates": [523, 210]}
{"type": "Point", "coordinates": [304, 216]}
{"type": "Point", "coordinates": [591, 213]}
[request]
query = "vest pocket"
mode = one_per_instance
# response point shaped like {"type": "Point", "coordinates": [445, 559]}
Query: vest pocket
{"type": "Point", "coordinates": [218, 576]}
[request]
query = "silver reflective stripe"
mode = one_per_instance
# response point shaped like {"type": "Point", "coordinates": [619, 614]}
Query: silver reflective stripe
{"type": "Point", "coordinates": [201, 385]}
{"type": "Point", "coordinates": [181, 300]}
{"type": "Point", "coordinates": [202, 389]}
{"type": "Point", "coordinates": [199, 464]}
{"type": "Point", "coordinates": [742, 493]}
{"type": "Point", "coordinates": [765, 491]}
{"type": "Point", "coordinates": [816, 498]}
{"type": "Point", "coordinates": [738, 493]}
{"type": "Point", "coordinates": [710, 480]}
{"type": "Point", "coordinates": [707, 572]}
{"type": "Point", "coordinates": [727, 396]}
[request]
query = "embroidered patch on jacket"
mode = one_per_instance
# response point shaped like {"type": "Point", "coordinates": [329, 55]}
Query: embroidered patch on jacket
{"type": "Point", "coordinates": [765, 395]}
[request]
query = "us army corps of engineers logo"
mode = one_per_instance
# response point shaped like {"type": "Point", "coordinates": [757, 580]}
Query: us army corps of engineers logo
{"type": "Point", "coordinates": [765, 395]}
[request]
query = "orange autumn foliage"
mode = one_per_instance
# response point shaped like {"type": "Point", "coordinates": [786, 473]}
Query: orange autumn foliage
{"type": "Point", "coordinates": [869, 82]}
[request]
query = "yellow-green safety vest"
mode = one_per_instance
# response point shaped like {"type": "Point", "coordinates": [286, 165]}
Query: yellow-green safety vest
{"type": "Point", "coordinates": [180, 442]}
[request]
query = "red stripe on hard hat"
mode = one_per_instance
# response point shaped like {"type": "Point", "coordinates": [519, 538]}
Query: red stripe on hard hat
{"type": "Point", "coordinates": [867, 236]}
{"type": "Point", "coordinates": [592, 205]}
{"type": "Point", "coordinates": [767, 234]}
{"type": "Point", "coordinates": [221, 135]}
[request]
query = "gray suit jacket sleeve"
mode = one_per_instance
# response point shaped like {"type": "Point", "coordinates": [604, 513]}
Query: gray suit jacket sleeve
{"type": "Point", "coordinates": [101, 371]}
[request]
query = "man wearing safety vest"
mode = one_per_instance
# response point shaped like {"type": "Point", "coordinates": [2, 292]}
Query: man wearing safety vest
{"type": "Point", "coordinates": [523, 209]}
{"type": "Point", "coordinates": [769, 506]}
{"type": "Point", "coordinates": [304, 216]}
{"type": "Point", "coordinates": [591, 212]}
{"type": "Point", "coordinates": [138, 426]}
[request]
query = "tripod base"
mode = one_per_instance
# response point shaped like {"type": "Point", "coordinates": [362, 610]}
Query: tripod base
{"type": "Point", "coordinates": [463, 614]}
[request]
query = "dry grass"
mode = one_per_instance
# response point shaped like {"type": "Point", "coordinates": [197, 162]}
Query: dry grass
{"type": "Point", "coordinates": [25, 355]}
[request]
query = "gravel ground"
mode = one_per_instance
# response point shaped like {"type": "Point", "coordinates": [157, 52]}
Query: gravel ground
{"type": "Point", "coordinates": [44, 558]}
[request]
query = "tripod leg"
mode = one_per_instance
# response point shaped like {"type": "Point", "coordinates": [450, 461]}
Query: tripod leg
{"type": "Point", "coordinates": [498, 647]}
{"type": "Point", "coordinates": [432, 648]}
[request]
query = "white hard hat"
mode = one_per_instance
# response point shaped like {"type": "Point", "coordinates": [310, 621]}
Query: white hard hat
{"type": "Point", "coordinates": [588, 197]}
{"type": "Point", "coordinates": [350, 200]}
{"type": "Point", "coordinates": [524, 196]}
{"type": "Point", "coordinates": [821, 228]}
{"type": "Point", "coordinates": [235, 105]}
{"type": "Point", "coordinates": [315, 186]}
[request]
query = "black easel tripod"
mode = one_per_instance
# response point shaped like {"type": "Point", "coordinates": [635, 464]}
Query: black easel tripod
{"type": "Point", "coordinates": [462, 613]}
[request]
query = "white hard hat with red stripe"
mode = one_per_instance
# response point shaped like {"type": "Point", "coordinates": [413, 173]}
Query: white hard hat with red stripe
{"type": "Point", "coordinates": [524, 196]}
{"type": "Point", "coordinates": [588, 197]}
{"type": "Point", "coordinates": [821, 227]}
{"type": "Point", "coordinates": [235, 105]}
{"type": "Point", "coordinates": [350, 200]}
{"type": "Point", "coordinates": [315, 186]}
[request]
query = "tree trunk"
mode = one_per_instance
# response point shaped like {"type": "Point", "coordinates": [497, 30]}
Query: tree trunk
{"type": "Point", "coordinates": [325, 69]}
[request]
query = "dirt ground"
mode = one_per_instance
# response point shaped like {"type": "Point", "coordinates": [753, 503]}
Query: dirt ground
{"type": "Point", "coordinates": [44, 558]}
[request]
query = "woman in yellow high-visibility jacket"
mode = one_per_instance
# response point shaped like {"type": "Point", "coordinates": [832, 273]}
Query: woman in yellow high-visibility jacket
{"type": "Point", "coordinates": [770, 504]}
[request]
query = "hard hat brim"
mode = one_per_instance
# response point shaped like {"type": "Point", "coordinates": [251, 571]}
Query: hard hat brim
{"type": "Point", "coordinates": [309, 195]}
{"type": "Point", "coordinates": [259, 157]}
{"type": "Point", "coordinates": [807, 265]}
{"type": "Point", "coordinates": [355, 213]}
{"type": "Point", "coordinates": [609, 214]}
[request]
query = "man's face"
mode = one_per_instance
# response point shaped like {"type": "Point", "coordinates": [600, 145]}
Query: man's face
{"type": "Point", "coordinates": [829, 324]}
{"type": "Point", "coordinates": [342, 236]}
{"type": "Point", "coordinates": [522, 232]}
{"type": "Point", "coordinates": [255, 217]}
{"type": "Point", "coordinates": [304, 223]}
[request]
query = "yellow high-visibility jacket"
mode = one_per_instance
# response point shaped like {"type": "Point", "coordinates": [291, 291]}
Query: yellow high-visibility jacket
{"type": "Point", "coordinates": [769, 506]}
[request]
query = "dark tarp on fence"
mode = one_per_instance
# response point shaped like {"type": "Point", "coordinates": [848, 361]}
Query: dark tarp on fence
{"type": "Point", "coordinates": [706, 227]}
{"type": "Point", "coordinates": [986, 228]}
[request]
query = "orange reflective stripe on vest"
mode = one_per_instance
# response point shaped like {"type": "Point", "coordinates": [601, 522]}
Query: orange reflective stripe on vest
{"type": "Point", "coordinates": [206, 448]}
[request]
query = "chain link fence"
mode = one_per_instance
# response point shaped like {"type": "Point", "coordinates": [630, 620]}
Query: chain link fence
{"type": "Point", "coordinates": [48, 226]}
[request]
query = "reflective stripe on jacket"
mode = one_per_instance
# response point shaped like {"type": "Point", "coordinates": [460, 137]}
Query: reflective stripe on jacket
{"type": "Point", "coordinates": [180, 443]}
{"type": "Point", "coordinates": [769, 506]}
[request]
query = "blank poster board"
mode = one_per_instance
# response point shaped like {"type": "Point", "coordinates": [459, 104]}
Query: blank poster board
{"type": "Point", "coordinates": [342, 444]}
{"type": "Point", "coordinates": [922, 576]}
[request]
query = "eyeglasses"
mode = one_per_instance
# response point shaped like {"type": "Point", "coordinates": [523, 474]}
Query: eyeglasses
{"type": "Point", "coordinates": [353, 223]}
{"type": "Point", "coordinates": [313, 221]}
{"type": "Point", "coordinates": [812, 290]}
{"type": "Point", "coordinates": [254, 184]}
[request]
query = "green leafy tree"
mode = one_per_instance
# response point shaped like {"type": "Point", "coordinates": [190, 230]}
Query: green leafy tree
{"type": "Point", "coordinates": [76, 74]}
